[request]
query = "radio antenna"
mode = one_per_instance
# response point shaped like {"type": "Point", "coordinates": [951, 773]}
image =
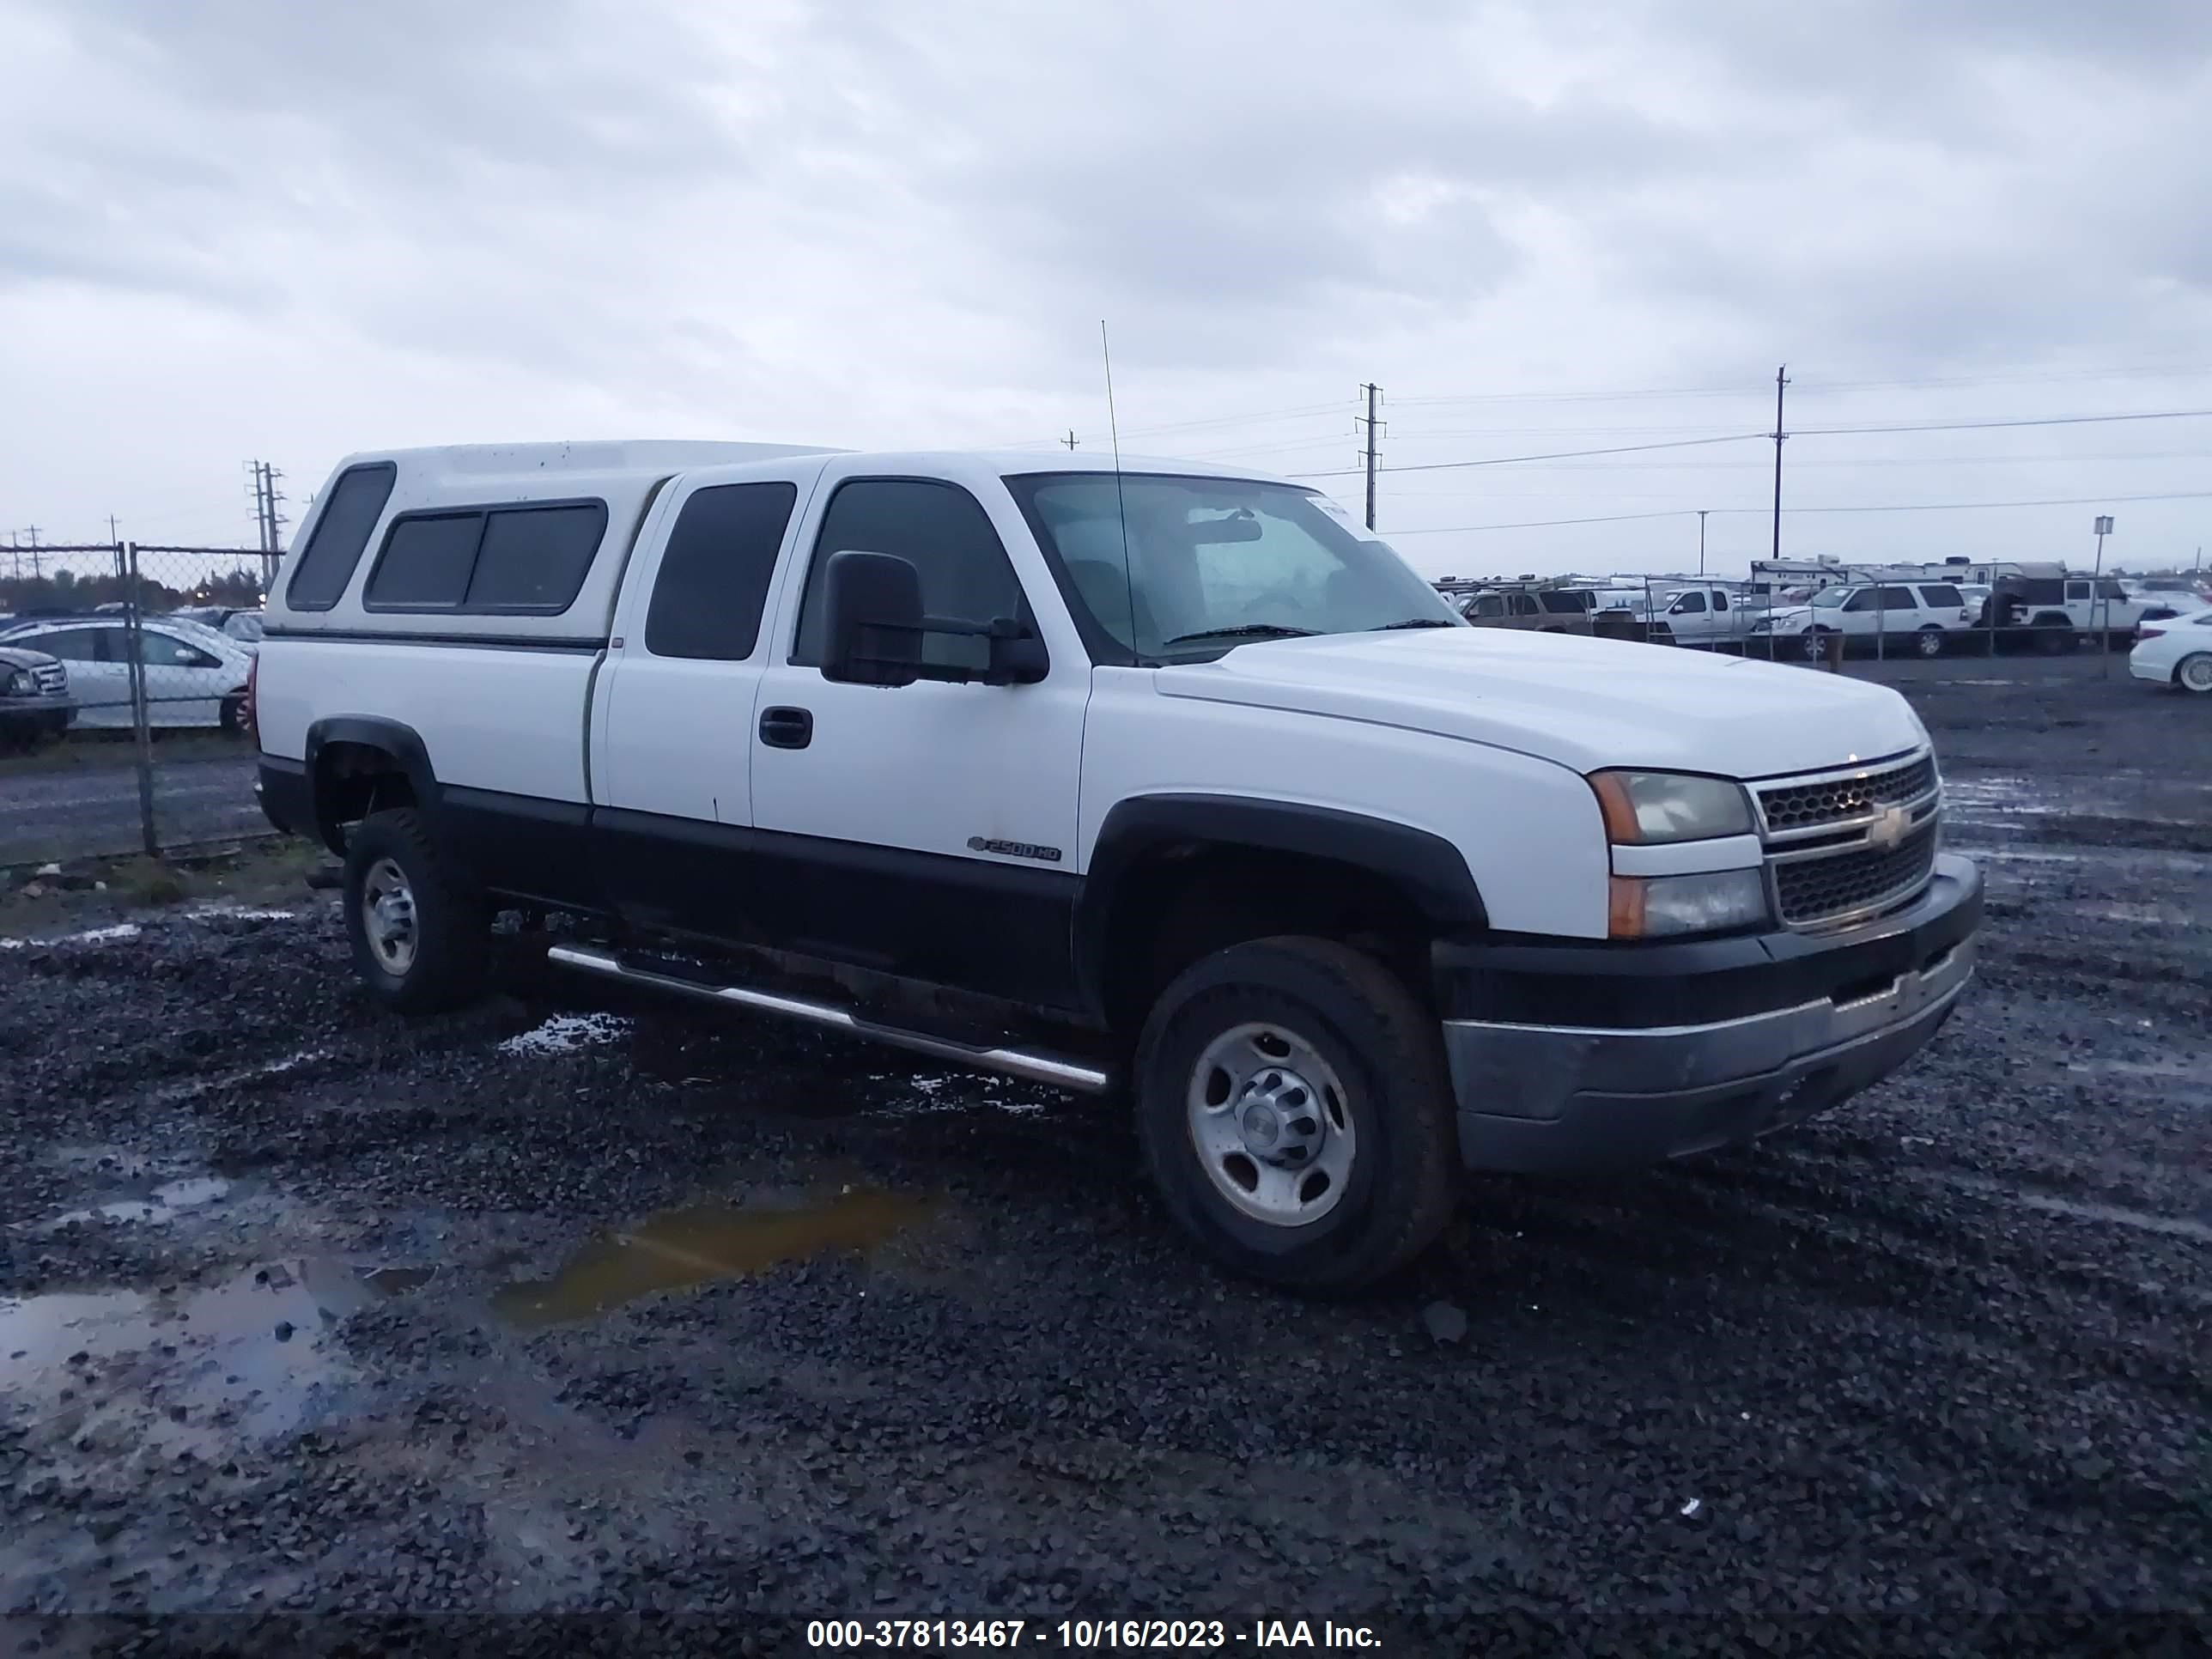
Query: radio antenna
{"type": "Point", "coordinates": [1121, 499]}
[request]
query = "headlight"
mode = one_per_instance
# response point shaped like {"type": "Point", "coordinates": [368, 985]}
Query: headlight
{"type": "Point", "coordinates": [20, 684]}
{"type": "Point", "coordinates": [1643, 809]}
{"type": "Point", "coordinates": [1653, 907]}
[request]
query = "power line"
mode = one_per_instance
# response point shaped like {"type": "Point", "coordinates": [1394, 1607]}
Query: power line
{"type": "Point", "coordinates": [1986, 426]}
{"type": "Point", "coordinates": [1557, 455]}
{"type": "Point", "coordinates": [1896, 506]}
{"type": "Point", "coordinates": [1546, 523]}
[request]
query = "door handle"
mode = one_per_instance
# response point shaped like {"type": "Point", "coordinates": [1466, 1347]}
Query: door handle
{"type": "Point", "coordinates": [787, 728]}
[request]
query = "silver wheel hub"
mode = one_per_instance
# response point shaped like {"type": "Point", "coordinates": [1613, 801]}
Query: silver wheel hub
{"type": "Point", "coordinates": [2197, 673]}
{"type": "Point", "coordinates": [387, 915]}
{"type": "Point", "coordinates": [1270, 1122]}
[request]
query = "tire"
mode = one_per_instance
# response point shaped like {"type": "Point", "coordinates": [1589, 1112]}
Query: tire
{"type": "Point", "coordinates": [2053, 640]}
{"type": "Point", "coordinates": [427, 903]}
{"type": "Point", "coordinates": [1816, 643]}
{"type": "Point", "coordinates": [2194, 673]}
{"type": "Point", "coordinates": [1930, 641]}
{"type": "Point", "coordinates": [231, 716]}
{"type": "Point", "coordinates": [1367, 1104]}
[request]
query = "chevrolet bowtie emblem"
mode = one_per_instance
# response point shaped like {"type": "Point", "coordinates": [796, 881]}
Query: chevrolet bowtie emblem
{"type": "Point", "coordinates": [1889, 828]}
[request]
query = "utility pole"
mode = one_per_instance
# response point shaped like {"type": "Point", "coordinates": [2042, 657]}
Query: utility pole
{"type": "Point", "coordinates": [1781, 380]}
{"type": "Point", "coordinates": [1374, 430]}
{"type": "Point", "coordinates": [266, 520]}
{"type": "Point", "coordinates": [1070, 439]}
{"type": "Point", "coordinates": [32, 533]}
{"type": "Point", "coordinates": [2097, 598]}
{"type": "Point", "coordinates": [1701, 540]}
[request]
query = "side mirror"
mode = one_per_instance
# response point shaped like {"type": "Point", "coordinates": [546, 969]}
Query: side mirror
{"type": "Point", "coordinates": [871, 619]}
{"type": "Point", "coordinates": [872, 628]}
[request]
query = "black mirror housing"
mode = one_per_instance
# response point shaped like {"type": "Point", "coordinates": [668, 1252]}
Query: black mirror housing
{"type": "Point", "coordinates": [872, 617]}
{"type": "Point", "coordinates": [873, 626]}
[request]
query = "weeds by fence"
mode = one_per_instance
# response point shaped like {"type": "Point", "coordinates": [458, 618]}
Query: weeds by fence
{"type": "Point", "coordinates": [135, 736]}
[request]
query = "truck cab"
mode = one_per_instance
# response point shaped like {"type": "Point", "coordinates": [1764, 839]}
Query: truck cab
{"type": "Point", "coordinates": [1159, 780]}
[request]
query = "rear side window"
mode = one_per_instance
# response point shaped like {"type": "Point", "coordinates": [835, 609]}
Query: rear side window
{"type": "Point", "coordinates": [426, 562]}
{"type": "Point", "coordinates": [1938, 596]}
{"type": "Point", "coordinates": [713, 582]}
{"type": "Point", "coordinates": [534, 559]}
{"type": "Point", "coordinates": [487, 561]}
{"type": "Point", "coordinates": [334, 547]}
{"type": "Point", "coordinates": [1896, 598]}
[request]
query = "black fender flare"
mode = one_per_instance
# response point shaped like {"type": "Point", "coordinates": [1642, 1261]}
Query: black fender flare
{"type": "Point", "coordinates": [1429, 870]}
{"type": "Point", "coordinates": [402, 742]}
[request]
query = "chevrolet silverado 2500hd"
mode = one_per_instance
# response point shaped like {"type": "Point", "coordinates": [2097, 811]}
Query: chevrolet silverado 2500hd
{"type": "Point", "coordinates": [1168, 779]}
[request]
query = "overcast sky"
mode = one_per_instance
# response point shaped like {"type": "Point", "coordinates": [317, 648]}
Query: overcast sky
{"type": "Point", "coordinates": [292, 228]}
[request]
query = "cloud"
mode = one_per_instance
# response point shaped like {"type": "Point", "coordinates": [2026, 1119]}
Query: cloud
{"type": "Point", "coordinates": [321, 228]}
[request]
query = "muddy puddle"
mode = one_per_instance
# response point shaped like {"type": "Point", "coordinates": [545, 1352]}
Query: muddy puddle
{"type": "Point", "coordinates": [181, 1370]}
{"type": "Point", "coordinates": [703, 1243]}
{"type": "Point", "coordinates": [164, 1203]}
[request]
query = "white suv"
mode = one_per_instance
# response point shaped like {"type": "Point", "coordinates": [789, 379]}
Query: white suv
{"type": "Point", "coordinates": [1172, 781]}
{"type": "Point", "coordinates": [1908, 617]}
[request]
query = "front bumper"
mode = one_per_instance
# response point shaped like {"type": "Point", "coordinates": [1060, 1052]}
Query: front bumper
{"type": "Point", "coordinates": [1682, 1047]}
{"type": "Point", "coordinates": [39, 712]}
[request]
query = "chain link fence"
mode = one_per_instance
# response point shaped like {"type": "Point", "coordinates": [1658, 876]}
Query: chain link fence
{"type": "Point", "coordinates": [124, 728]}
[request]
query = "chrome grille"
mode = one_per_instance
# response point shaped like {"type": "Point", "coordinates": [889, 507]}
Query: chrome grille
{"type": "Point", "coordinates": [1841, 799]}
{"type": "Point", "coordinates": [1809, 890]}
{"type": "Point", "coordinates": [52, 679]}
{"type": "Point", "coordinates": [1852, 842]}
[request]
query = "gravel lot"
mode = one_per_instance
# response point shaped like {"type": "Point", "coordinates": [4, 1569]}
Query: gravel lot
{"type": "Point", "coordinates": [88, 807]}
{"type": "Point", "coordinates": [317, 1326]}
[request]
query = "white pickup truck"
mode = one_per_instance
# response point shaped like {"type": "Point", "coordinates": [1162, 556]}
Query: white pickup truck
{"type": "Point", "coordinates": [1171, 781]}
{"type": "Point", "coordinates": [1712, 615]}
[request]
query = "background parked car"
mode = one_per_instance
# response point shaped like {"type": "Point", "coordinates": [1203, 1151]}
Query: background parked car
{"type": "Point", "coordinates": [35, 705]}
{"type": "Point", "coordinates": [1537, 610]}
{"type": "Point", "coordinates": [195, 675]}
{"type": "Point", "coordinates": [1917, 616]}
{"type": "Point", "coordinates": [2176, 651]}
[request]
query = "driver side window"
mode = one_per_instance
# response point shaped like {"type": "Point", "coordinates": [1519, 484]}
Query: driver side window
{"type": "Point", "coordinates": [1862, 600]}
{"type": "Point", "coordinates": [1490, 606]}
{"type": "Point", "coordinates": [159, 650]}
{"type": "Point", "coordinates": [944, 531]}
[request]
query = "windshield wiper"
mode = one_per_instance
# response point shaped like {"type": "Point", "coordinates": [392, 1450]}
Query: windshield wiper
{"type": "Point", "coordinates": [1414, 622]}
{"type": "Point", "coordinates": [1245, 631]}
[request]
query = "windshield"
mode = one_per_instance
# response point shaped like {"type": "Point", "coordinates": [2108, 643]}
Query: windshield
{"type": "Point", "coordinates": [1211, 561]}
{"type": "Point", "coordinates": [1829, 598]}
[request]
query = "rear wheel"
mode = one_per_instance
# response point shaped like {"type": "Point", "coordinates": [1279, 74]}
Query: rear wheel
{"type": "Point", "coordinates": [2054, 639]}
{"type": "Point", "coordinates": [231, 716]}
{"type": "Point", "coordinates": [418, 927]}
{"type": "Point", "coordinates": [1293, 1108]}
{"type": "Point", "coordinates": [1930, 641]}
{"type": "Point", "coordinates": [2194, 673]}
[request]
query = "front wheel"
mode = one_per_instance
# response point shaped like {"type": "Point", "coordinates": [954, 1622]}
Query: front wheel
{"type": "Point", "coordinates": [2194, 673]}
{"type": "Point", "coordinates": [1816, 643]}
{"type": "Point", "coordinates": [419, 929]}
{"type": "Point", "coordinates": [1929, 642]}
{"type": "Point", "coordinates": [1294, 1111]}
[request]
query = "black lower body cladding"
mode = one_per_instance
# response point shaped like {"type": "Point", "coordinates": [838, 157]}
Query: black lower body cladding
{"type": "Point", "coordinates": [1585, 1056]}
{"type": "Point", "coordinates": [285, 797]}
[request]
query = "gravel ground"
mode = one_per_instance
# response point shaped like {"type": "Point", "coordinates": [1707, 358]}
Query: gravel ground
{"type": "Point", "coordinates": [621, 1328]}
{"type": "Point", "coordinates": [90, 808]}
